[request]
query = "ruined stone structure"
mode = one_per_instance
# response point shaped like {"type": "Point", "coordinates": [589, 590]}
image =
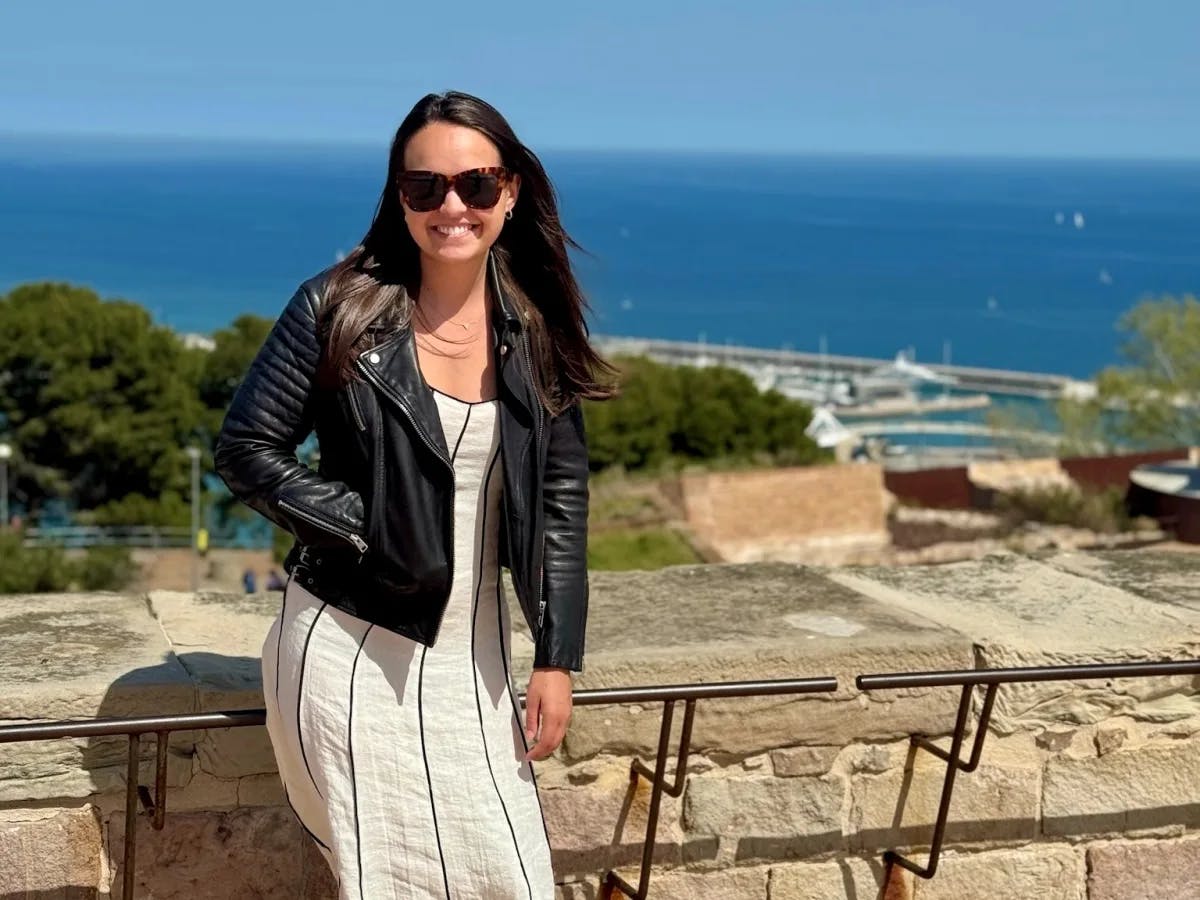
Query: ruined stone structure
{"type": "Point", "coordinates": [1086, 790]}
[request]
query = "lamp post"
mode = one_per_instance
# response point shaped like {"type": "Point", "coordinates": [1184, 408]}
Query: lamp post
{"type": "Point", "coordinates": [194, 454]}
{"type": "Point", "coordinates": [5, 454]}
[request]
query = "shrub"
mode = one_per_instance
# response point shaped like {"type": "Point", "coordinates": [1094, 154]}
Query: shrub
{"type": "Point", "coordinates": [105, 569]}
{"type": "Point", "coordinates": [1102, 510]}
{"type": "Point", "coordinates": [32, 570]}
{"type": "Point", "coordinates": [638, 548]}
{"type": "Point", "coordinates": [39, 570]}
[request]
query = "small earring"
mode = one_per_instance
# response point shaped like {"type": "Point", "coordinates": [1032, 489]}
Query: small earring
{"type": "Point", "coordinates": [508, 215]}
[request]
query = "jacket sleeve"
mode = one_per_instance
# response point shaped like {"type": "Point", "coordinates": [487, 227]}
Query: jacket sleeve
{"type": "Point", "coordinates": [564, 566]}
{"type": "Point", "coordinates": [271, 414]}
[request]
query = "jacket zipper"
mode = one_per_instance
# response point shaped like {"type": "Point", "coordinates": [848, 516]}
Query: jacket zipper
{"type": "Point", "coordinates": [355, 412]}
{"type": "Point", "coordinates": [541, 569]}
{"type": "Point", "coordinates": [325, 525]}
{"type": "Point", "coordinates": [395, 398]}
{"type": "Point", "coordinates": [537, 430]}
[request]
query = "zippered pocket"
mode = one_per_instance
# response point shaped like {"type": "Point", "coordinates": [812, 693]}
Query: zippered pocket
{"type": "Point", "coordinates": [541, 577]}
{"type": "Point", "coordinates": [324, 524]}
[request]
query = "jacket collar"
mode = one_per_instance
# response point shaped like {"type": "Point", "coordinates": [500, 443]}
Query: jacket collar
{"type": "Point", "coordinates": [504, 314]}
{"type": "Point", "coordinates": [392, 364]}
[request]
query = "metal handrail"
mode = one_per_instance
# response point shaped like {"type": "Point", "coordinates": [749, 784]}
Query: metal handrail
{"type": "Point", "coordinates": [162, 726]}
{"type": "Point", "coordinates": [968, 680]}
{"type": "Point", "coordinates": [973, 677]}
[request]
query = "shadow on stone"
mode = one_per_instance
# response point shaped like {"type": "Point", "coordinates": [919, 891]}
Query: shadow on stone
{"type": "Point", "coordinates": [763, 849]}
{"type": "Point", "coordinates": [213, 842]}
{"type": "Point", "coordinates": [1187, 815]}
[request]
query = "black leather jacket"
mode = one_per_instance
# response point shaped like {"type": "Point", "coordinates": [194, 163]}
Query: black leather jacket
{"type": "Point", "coordinates": [374, 524]}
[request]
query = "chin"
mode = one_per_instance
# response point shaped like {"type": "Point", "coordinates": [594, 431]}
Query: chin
{"type": "Point", "coordinates": [460, 253]}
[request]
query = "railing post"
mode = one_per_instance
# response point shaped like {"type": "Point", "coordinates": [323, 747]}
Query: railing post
{"type": "Point", "coordinates": [131, 786]}
{"type": "Point", "coordinates": [656, 791]}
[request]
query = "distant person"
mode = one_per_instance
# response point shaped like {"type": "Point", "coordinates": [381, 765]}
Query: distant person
{"type": "Point", "coordinates": [441, 363]}
{"type": "Point", "coordinates": [202, 542]}
{"type": "Point", "coordinates": [274, 581]}
{"type": "Point", "coordinates": [249, 582]}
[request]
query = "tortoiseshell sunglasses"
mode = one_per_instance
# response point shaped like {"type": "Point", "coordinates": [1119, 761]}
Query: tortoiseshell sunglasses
{"type": "Point", "coordinates": [478, 188]}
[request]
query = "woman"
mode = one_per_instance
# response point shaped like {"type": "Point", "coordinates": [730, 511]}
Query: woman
{"type": "Point", "coordinates": [441, 364]}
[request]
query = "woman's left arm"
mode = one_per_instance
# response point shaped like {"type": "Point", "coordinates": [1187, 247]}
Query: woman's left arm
{"type": "Point", "coordinates": [559, 648]}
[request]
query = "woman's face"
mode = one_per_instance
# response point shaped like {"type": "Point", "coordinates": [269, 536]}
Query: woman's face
{"type": "Point", "coordinates": [455, 232]}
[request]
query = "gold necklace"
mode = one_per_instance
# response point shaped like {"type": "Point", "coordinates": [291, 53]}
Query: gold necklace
{"type": "Point", "coordinates": [465, 326]}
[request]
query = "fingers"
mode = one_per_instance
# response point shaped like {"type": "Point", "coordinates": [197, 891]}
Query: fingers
{"type": "Point", "coordinates": [532, 708]}
{"type": "Point", "coordinates": [554, 728]}
{"type": "Point", "coordinates": [547, 711]}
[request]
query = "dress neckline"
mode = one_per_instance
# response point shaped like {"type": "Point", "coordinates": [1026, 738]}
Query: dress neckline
{"type": "Point", "coordinates": [460, 400]}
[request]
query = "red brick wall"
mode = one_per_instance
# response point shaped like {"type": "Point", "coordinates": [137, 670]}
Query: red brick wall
{"type": "Point", "coordinates": [940, 488]}
{"type": "Point", "coordinates": [1113, 471]}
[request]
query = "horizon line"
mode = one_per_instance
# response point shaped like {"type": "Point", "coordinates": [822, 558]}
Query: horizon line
{"type": "Point", "coordinates": [135, 140]}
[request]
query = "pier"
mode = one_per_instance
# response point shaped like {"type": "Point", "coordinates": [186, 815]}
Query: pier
{"type": "Point", "coordinates": [766, 365]}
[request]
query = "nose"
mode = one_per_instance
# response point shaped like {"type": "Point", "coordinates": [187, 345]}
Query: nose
{"type": "Point", "coordinates": [453, 203]}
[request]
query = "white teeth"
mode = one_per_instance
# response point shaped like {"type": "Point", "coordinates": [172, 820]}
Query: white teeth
{"type": "Point", "coordinates": [452, 230]}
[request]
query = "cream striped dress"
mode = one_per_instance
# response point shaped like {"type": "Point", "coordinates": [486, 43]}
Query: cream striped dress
{"type": "Point", "coordinates": [404, 763]}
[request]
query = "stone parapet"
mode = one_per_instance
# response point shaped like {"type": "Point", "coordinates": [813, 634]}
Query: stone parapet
{"type": "Point", "coordinates": [1086, 789]}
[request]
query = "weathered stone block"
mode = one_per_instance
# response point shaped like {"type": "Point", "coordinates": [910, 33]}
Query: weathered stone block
{"type": "Point", "coordinates": [764, 621]}
{"type": "Point", "coordinates": [1128, 790]}
{"type": "Point", "coordinates": [52, 853]}
{"type": "Point", "coordinates": [219, 641]}
{"type": "Point", "coordinates": [899, 807]}
{"type": "Point", "coordinates": [1022, 612]}
{"type": "Point", "coordinates": [1144, 870]}
{"type": "Point", "coordinates": [790, 762]}
{"type": "Point", "coordinates": [739, 883]}
{"type": "Point", "coordinates": [602, 824]}
{"type": "Point", "coordinates": [854, 879]}
{"type": "Point", "coordinates": [204, 791]}
{"type": "Point", "coordinates": [770, 818]}
{"type": "Point", "coordinates": [236, 752]}
{"type": "Point", "coordinates": [317, 877]}
{"type": "Point", "coordinates": [1110, 738]}
{"type": "Point", "coordinates": [1159, 576]}
{"type": "Point", "coordinates": [244, 853]}
{"type": "Point", "coordinates": [81, 656]}
{"type": "Point", "coordinates": [1045, 872]}
{"type": "Point", "coordinates": [260, 790]}
{"type": "Point", "coordinates": [577, 890]}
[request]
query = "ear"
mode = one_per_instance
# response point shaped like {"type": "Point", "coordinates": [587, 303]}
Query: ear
{"type": "Point", "coordinates": [514, 188]}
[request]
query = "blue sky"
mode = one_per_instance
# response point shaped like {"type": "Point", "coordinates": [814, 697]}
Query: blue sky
{"type": "Point", "coordinates": [1024, 77]}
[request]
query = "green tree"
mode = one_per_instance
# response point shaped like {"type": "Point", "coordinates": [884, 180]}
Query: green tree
{"type": "Point", "coordinates": [784, 421]}
{"type": "Point", "coordinates": [1085, 426]}
{"type": "Point", "coordinates": [226, 364]}
{"type": "Point", "coordinates": [634, 430]}
{"type": "Point", "coordinates": [1158, 391]}
{"type": "Point", "coordinates": [680, 413]}
{"type": "Point", "coordinates": [97, 399]}
{"type": "Point", "coordinates": [720, 415]}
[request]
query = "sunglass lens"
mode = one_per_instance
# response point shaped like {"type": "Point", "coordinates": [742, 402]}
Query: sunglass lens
{"type": "Point", "coordinates": [424, 192]}
{"type": "Point", "coordinates": [480, 190]}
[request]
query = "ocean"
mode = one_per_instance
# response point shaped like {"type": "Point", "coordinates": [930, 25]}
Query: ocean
{"type": "Point", "coordinates": [1020, 264]}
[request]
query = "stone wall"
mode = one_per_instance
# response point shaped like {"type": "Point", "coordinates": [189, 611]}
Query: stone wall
{"type": "Point", "coordinates": [1086, 790]}
{"type": "Point", "coordinates": [812, 514]}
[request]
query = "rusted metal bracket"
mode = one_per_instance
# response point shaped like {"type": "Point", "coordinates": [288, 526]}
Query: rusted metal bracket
{"type": "Point", "coordinates": [968, 680]}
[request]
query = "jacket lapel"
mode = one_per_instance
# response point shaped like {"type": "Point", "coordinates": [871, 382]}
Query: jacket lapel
{"type": "Point", "coordinates": [392, 367]}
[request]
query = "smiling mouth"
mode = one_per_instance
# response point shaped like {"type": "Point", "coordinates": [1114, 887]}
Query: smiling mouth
{"type": "Point", "coordinates": [454, 230]}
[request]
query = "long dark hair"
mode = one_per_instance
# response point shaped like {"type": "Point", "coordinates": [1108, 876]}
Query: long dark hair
{"type": "Point", "coordinates": [371, 288]}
